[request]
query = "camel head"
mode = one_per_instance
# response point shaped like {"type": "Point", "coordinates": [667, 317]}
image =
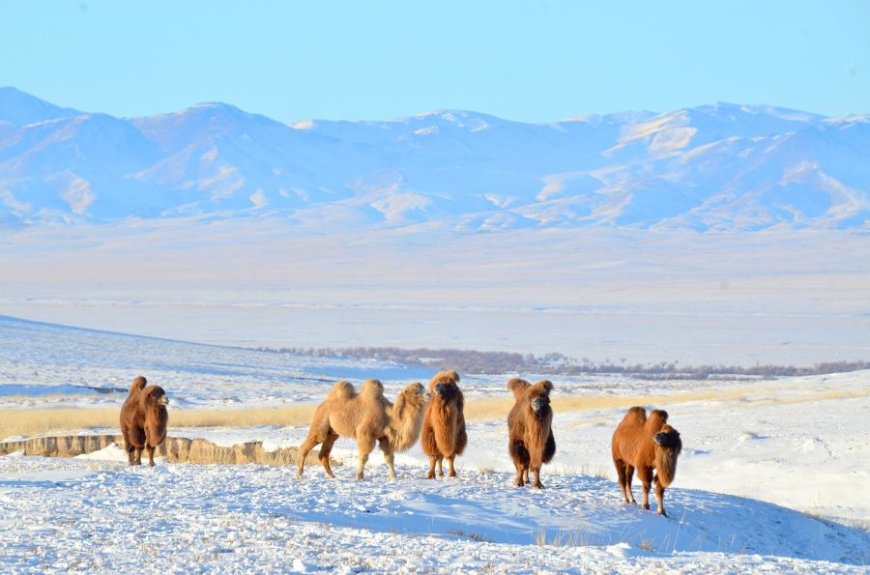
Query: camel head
{"type": "Point", "coordinates": [414, 391]}
{"type": "Point", "coordinates": [153, 396]}
{"type": "Point", "coordinates": [444, 385]}
{"type": "Point", "coordinates": [669, 438]}
{"type": "Point", "coordinates": [539, 396]}
{"type": "Point", "coordinates": [445, 390]}
{"type": "Point", "coordinates": [413, 397]}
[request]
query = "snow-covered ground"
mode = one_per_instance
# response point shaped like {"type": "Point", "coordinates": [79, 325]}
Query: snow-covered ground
{"type": "Point", "coordinates": [773, 477]}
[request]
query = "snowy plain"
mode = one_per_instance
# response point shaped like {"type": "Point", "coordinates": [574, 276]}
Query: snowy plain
{"type": "Point", "coordinates": [773, 477]}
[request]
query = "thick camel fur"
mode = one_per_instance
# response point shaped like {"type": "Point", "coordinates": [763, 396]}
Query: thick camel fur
{"type": "Point", "coordinates": [368, 417]}
{"type": "Point", "coordinates": [144, 419]}
{"type": "Point", "coordinates": [444, 434]}
{"type": "Point", "coordinates": [530, 435]}
{"type": "Point", "coordinates": [646, 444]}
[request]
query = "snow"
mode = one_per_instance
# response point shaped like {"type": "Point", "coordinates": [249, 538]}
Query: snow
{"type": "Point", "coordinates": [210, 159]}
{"type": "Point", "coordinates": [772, 479]}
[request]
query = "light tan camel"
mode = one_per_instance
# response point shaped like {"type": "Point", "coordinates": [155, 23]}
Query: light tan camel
{"type": "Point", "coordinates": [368, 417]}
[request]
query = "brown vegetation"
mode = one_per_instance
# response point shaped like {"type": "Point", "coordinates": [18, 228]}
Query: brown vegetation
{"type": "Point", "coordinates": [494, 362]}
{"type": "Point", "coordinates": [530, 435]}
{"type": "Point", "coordinates": [369, 417]}
{"type": "Point", "coordinates": [646, 445]}
{"type": "Point", "coordinates": [444, 434]}
{"type": "Point", "coordinates": [143, 420]}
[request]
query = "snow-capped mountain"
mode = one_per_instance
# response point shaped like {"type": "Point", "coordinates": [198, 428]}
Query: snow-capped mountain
{"type": "Point", "coordinates": [718, 167]}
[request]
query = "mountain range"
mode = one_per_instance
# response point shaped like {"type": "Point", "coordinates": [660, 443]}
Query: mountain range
{"type": "Point", "coordinates": [721, 167]}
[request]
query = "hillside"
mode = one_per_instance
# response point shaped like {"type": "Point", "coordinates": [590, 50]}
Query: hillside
{"type": "Point", "coordinates": [720, 167]}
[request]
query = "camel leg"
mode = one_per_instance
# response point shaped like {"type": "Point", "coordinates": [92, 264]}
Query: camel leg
{"type": "Point", "coordinates": [365, 446]}
{"type": "Point", "coordinates": [660, 498]}
{"type": "Point", "coordinates": [452, 472]}
{"type": "Point", "coordinates": [537, 472]}
{"type": "Point", "coordinates": [520, 472]}
{"type": "Point", "coordinates": [526, 474]}
{"type": "Point", "coordinates": [150, 450]}
{"type": "Point", "coordinates": [138, 460]}
{"type": "Point", "coordinates": [325, 450]}
{"type": "Point", "coordinates": [645, 476]}
{"type": "Point", "coordinates": [629, 475]}
{"type": "Point", "coordinates": [305, 448]}
{"type": "Point", "coordinates": [620, 477]}
{"type": "Point", "coordinates": [431, 473]}
{"type": "Point", "coordinates": [131, 454]}
{"type": "Point", "coordinates": [440, 466]}
{"type": "Point", "coordinates": [388, 455]}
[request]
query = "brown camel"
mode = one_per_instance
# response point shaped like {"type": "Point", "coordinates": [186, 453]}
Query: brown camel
{"type": "Point", "coordinates": [530, 433]}
{"type": "Point", "coordinates": [143, 420]}
{"type": "Point", "coordinates": [647, 445]}
{"type": "Point", "coordinates": [444, 434]}
{"type": "Point", "coordinates": [369, 417]}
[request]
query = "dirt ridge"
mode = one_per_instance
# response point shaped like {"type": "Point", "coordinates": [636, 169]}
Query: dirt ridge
{"type": "Point", "coordinates": [175, 449]}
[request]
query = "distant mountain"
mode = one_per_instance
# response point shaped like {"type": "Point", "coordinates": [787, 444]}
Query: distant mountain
{"type": "Point", "coordinates": [717, 167]}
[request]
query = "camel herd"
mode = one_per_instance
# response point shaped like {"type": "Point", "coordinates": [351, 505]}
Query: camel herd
{"type": "Point", "coordinates": [642, 442]}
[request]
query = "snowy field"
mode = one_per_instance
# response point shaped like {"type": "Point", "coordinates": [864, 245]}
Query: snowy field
{"type": "Point", "coordinates": [773, 477]}
{"type": "Point", "coordinates": [779, 296]}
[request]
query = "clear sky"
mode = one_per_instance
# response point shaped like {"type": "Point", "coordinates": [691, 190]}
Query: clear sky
{"type": "Point", "coordinates": [529, 61]}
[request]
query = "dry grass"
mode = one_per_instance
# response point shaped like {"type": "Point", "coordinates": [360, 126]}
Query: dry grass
{"type": "Point", "coordinates": [30, 422]}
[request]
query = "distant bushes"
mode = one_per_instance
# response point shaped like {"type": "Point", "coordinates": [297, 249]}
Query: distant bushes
{"type": "Point", "coordinates": [498, 362]}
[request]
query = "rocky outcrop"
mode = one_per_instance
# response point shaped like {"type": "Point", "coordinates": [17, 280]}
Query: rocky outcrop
{"type": "Point", "coordinates": [175, 449]}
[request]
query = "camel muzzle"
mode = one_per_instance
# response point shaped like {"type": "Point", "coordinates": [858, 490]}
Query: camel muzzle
{"type": "Point", "coordinates": [538, 405]}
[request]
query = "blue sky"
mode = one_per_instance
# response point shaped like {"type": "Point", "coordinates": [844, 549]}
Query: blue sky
{"type": "Point", "coordinates": [528, 61]}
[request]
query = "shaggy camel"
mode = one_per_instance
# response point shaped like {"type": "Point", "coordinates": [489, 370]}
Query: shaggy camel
{"type": "Point", "coordinates": [530, 435]}
{"type": "Point", "coordinates": [646, 444]}
{"type": "Point", "coordinates": [143, 420]}
{"type": "Point", "coordinates": [369, 417]}
{"type": "Point", "coordinates": [444, 434]}
{"type": "Point", "coordinates": [131, 404]}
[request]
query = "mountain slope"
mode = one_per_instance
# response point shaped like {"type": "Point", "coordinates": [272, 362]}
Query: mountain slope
{"type": "Point", "coordinates": [718, 167]}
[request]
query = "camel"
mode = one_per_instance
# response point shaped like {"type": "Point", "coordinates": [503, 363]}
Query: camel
{"type": "Point", "coordinates": [143, 421]}
{"type": "Point", "coordinates": [369, 417]}
{"type": "Point", "coordinates": [530, 434]}
{"type": "Point", "coordinates": [646, 444]}
{"type": "Point", "coordinates": [127, 409]}
{"type": "Point", "coordinates": [444, 434]}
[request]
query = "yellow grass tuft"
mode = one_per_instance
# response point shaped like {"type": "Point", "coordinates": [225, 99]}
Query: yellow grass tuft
{"type": "Point", "coordinates": [31, 422]}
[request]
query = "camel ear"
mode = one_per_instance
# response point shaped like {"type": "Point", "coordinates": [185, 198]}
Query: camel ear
{"type": "Point", "coordinates": [547, 385]}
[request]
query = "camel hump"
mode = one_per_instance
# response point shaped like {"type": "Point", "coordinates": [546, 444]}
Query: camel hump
{"type": "Point", "coordinates": [635, 415]}
{"type": "Point", "coordinates": [342, 390]}
{"type": "Point", "coordinates": [518, 386]}
{"type": "Point", "coordinates": [657, 418]}
{"type": "Point", "coordinates": [139, 383]}
{"type": "Point", "coordinates": [372, 388]}
{"type": "Point", "coordinates": [546, 385]}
